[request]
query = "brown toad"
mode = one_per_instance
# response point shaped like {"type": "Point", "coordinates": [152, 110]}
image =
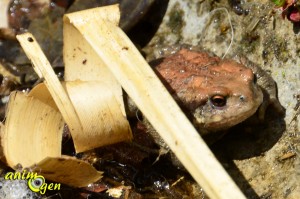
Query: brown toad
{"type": "Point", "coordinates": [215, 93]}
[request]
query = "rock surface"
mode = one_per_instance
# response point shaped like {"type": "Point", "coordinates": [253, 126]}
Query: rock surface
{"type": "Point", "coordinates": [264, 159]}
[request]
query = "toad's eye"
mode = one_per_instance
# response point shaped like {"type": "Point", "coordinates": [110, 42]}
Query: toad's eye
{"type": "Point", "coordinates": [218, 100]}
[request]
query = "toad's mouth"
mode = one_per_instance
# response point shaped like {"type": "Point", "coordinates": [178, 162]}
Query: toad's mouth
{"type": "Point", "coordinates": [218, 122]}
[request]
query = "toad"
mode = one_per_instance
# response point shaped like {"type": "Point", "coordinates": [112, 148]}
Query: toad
{"type": "Point", "coordinates": [216, 93]}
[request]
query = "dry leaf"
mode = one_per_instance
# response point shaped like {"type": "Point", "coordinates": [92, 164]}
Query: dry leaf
{"type": "Point", "coordinates": [68, 170]}
{"type": "Point", "coordinates": [33, 131]}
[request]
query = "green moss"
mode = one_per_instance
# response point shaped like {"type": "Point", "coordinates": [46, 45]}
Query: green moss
{"type": "Point", "coordinates": [276, 46]}
{"type": "Point", "coordinates": [176, 19]}
{"type": "Point", "coordinates": [249, 42]}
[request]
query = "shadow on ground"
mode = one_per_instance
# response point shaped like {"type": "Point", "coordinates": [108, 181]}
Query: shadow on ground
{"type": "Point", "coordinates": [248, 140]}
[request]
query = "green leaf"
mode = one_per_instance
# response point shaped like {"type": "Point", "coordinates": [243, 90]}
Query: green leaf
{"type": "Point", "coordinates": [279, 2]}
